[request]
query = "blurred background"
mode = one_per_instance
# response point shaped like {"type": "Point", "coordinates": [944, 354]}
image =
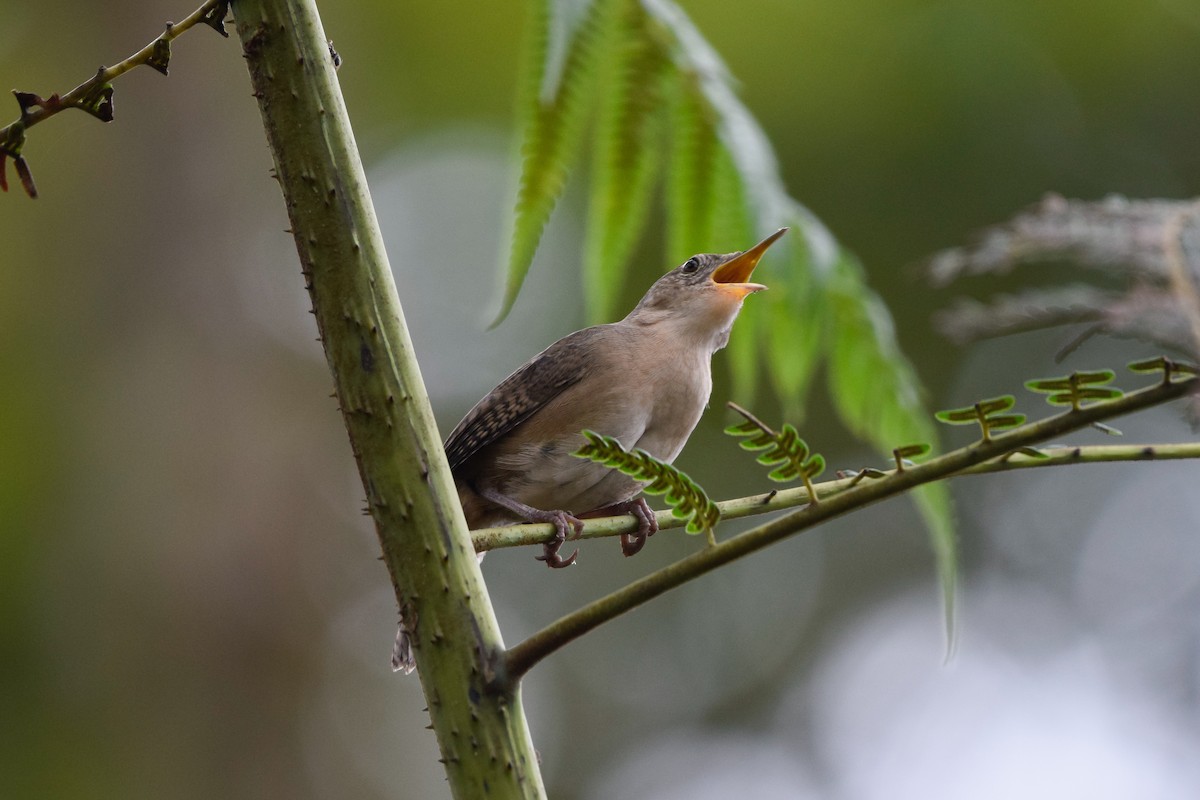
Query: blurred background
{"type": "Point", "coordinates": [191, 603]}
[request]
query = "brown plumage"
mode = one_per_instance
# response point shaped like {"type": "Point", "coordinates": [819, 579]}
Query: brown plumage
{"type": "Point", "coordinates": [644, 380]}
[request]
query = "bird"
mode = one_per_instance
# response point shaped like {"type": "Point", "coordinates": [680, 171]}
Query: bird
{"type": "Point", "coordinates": [644, 380]}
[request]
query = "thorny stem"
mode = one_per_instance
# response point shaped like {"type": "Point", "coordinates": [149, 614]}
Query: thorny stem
{"type": "Point", "coordinates": [967, 460]}
{"type": "Point", "coordinates": [447, 616]}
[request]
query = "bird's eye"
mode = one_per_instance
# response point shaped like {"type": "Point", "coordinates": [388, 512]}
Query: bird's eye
{"type": "Point", "coordinates": [690, 266]}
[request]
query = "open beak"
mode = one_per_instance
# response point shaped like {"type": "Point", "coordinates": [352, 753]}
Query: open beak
{"type": "Point", "coordinates": [732, 276]}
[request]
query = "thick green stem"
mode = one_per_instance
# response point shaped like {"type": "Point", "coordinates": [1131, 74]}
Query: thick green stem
{"type": "Point", "coordinates": [478, 720]}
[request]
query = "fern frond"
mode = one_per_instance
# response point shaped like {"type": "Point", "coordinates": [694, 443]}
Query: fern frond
{"type": "Point", "coordinates": [784, 450]}
{"type": "Point", "coordinates": [685, 497]}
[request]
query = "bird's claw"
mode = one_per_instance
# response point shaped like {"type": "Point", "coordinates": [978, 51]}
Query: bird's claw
{"type": "Point", "coordinates": [561, 520]}
{"type": "Point", "coordinates": [553, 559]}
{"type": "Point", "coordinates": [633, 542]}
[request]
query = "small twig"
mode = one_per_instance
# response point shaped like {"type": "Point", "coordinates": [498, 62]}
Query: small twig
{"type": "Point", "coordinates": [95, 94]}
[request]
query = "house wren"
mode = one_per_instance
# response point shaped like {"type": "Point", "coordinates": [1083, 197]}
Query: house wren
{"type": "Point", "coordinates": [644, 380]}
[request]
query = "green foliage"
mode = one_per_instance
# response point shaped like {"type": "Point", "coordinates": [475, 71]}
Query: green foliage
{"type": "Point", "coordinates": [559, 71]}
{"type": "Point", "coordinates": [668, 108]}
{"type": "Point", "coordinates": [1077, 388]}
{"type": "Point", "coordinates": [626, 162]}
{"type": "Point", "coordinates": [685, 497]}
{"type": "Point", "coordinates": [692, 202]}
{"type": "Point", "coordinates": [986, 414]}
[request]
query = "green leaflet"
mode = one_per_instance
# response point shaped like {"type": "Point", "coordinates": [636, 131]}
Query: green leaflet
{"type": "Point", "coordinates": [794, 321]}
{"type": "Point", "coordinates": [1167, 366]}
{"type": "Point", "coordinates": [1076, 388]}
{"type": "Point", "coordinates": [722, 187]}
{"type": "Point", "coordinates": [986, 414]}
{"type": "Point", "coordinates": [729, 224]}
{"type": "Point", "coordinates": [723, 190]}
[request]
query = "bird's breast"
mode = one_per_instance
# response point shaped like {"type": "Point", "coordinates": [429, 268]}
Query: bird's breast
{"type": "Point", "coordinates": [684, 382]}
{"type": "Point", "coordinates": [649, 395]}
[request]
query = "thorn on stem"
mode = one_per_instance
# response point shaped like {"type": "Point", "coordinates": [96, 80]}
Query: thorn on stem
{"type": "Point", "coordinates": [215, 18]}
{"type": "Point", "coordinates": [160, 54]}
{"type": "Point", "coordinates": [27, 100]}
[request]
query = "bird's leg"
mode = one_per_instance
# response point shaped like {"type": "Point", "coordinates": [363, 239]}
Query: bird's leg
{"type": "Point", "coordinates": [631, 543]}
{"type": "Point", "coordinates": [559, 519]}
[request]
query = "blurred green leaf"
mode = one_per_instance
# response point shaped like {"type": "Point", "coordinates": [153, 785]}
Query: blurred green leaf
{"type": "Point", "coordinates": [627, 154]}
{"type": "Point", "coordinates": [559, 72]}
{"type": "Point", "coordinates": [878, 397]}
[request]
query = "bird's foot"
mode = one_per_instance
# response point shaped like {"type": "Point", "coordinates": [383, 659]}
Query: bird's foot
{"type": "Point", "coordinates": [632, 543]}
{"type": "Point", "coordinates": [561, 520]}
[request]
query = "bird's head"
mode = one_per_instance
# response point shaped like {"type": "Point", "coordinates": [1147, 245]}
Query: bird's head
{"type": "Point", "coordinates": [702, 296]}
